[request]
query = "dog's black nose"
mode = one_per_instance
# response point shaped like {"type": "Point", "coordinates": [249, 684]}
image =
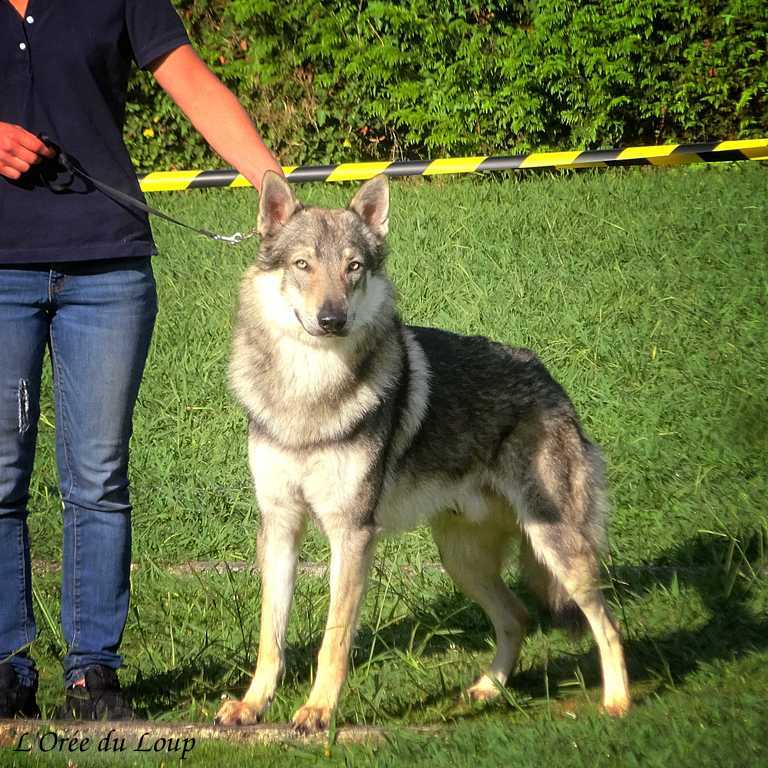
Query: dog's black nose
{"type": "Point", "coordinates": [332, 316]}
{"type": "Point", "coordinates": [332, 321]}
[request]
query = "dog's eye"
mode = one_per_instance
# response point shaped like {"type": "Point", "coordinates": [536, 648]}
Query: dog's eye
{"type": "Point", "coordinates": [354, 266]}
{"type": "Point", "coordinates": [300, 264]}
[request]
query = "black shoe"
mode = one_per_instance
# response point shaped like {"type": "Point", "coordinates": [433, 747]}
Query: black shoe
{"type": "Point", "coordinates": [16, 700]}
{"type": "Point", "coordinates": [96, 696]}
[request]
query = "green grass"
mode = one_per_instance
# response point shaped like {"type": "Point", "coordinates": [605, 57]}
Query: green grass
{"type": "Point", "coordinates": [646, 294]}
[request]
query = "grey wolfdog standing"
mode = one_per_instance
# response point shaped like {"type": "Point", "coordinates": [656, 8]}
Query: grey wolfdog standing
{"type": "Point", "coordinates": [372, 427]}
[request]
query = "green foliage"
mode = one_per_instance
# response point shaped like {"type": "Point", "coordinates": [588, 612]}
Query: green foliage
{"type": "Point", "coordinates": [332, 81]}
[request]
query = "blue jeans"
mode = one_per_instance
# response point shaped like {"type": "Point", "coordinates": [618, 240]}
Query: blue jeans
{"type": "Point", "coordinates": [97, 320]}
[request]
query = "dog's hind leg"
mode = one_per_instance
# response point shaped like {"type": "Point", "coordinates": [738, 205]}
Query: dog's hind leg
{"type": "Point", "coordinates": [576, 567]}
{"type": "Point", "coordinates": [351, 555]}
{"type": "Point", "coordinates": [473, 555]}
{"type": "Point", "coordinates": [561, 515]}
{"type": "Point", "coordinates": [565, 613]}
{"type": "Point", "coordinates": [279, 541]}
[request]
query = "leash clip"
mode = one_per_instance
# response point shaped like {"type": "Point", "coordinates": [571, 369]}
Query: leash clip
{"type": "Point", "coordinates": [235, 239]}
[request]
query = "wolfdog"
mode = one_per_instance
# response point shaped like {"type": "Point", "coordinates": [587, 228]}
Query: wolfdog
{"type": "Point", "coordinates": [372, 427]}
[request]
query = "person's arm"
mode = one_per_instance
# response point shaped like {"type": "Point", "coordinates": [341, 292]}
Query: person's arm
{"type": "Point", "coordinates": [19, 151]}
{"type": "Point", "coordinates": [215, 112]}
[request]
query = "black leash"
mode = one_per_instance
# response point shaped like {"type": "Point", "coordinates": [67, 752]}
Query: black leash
{"type": "Point", "coordinates": [73, 169]}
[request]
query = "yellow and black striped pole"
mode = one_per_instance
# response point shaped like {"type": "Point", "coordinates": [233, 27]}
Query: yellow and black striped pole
{"type": "Point", "coordinates": [664, 155]}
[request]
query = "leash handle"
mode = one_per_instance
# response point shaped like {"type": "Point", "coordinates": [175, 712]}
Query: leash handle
{"type": "Point", "coordinates": [73, 169]}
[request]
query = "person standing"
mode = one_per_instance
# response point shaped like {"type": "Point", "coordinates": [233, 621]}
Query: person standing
{"type": "Point", "coordinates": [76, 277]}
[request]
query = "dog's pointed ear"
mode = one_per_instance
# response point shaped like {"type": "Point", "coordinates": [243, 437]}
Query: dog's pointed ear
{"type": "Point", "coordinates": [371, 204]}
{"type": "Point", "coordinates": [276, 205]}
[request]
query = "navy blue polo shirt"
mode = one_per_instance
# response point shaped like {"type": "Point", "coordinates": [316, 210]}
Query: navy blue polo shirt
{"type": "Point", "coordinates": [64, 71]}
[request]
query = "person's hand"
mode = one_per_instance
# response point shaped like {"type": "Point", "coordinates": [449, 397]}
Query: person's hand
{"type": "Point", "coordinates": [19, 151]}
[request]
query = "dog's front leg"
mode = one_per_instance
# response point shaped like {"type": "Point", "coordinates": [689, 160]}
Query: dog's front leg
{"type": "Point", "coordinates": [279, 542]}
{"type": "Point", "coordinates": [351, 555]}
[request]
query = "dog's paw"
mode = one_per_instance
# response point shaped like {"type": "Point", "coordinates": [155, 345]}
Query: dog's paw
{"type": "Point", "coordinates": [310, 719]}
{"type": "Point", "coordinates": [238, 713]}
{"type": "Point", "coordinates": [616, 706]}
{"type": "Point", "coordinates": [485, 689]}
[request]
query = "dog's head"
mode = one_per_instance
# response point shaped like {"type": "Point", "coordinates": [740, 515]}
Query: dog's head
{"type": "Point", "coordinates": [325, 267]}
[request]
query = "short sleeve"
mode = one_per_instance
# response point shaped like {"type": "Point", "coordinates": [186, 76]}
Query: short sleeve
{"type": "Point", "coordinates": [154, 29]}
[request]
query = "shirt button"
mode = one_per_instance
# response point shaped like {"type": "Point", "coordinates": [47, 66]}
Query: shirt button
{"type": "Point", "coordinates": [30, 19]}
{"type": "Point", "coordinates": [23, 46]}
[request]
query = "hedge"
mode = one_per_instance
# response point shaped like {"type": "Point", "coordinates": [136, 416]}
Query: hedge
{"type": "Point", "coordinates": [332, 81]}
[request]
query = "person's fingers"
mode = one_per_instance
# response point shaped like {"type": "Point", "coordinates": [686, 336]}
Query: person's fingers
{"type": "Point", "coordinates": [21, 153]}
{"type": "Point", "coordinates": [31, 143]}
{"type": "Point", "coordinates": [9, 173]}
{"type": "Point", "coordinates": [20, 150]}
{"type": "Point", "coordinates": [11, 161]}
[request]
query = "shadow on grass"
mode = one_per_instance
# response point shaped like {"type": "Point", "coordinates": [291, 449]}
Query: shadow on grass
{"type": "Point", "coordinates": [165, 691]}
{"type": "Point", "coordinates": [719, 569]}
